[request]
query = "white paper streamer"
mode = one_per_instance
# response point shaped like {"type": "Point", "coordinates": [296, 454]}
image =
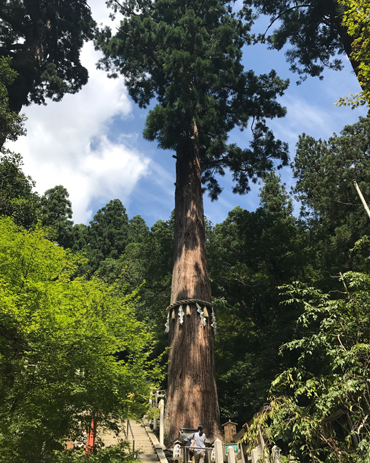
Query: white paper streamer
{"type": "Point", "coordinates": [181, 315]}
{"type": "Point", "coordinates": [203, 320]}
{"type": "Point", "coordinates": [167, 325]}
{"type": "Point", "coordinates": [214, 323]}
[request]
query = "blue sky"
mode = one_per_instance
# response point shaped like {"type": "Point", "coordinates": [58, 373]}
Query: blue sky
{"type": "Point", "coordinates": [92, 142]}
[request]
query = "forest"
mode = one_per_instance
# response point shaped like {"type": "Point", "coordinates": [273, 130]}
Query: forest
{"type": "Point", "coordinates": [82, 320]}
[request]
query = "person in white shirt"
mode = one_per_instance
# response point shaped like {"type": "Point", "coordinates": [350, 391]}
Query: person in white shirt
{"type": "Point", "coordinates": [199, 439]}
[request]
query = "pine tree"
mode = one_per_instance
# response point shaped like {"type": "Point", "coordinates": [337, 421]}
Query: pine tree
{"type": "Point", "coordinates": [56, 213]}
{"type": "Point", "coordinates": [137, 229]}
{"type": "Point", "coordinates": [109, 230]}
{"type": "Point", "coordinates": [274, 198]}
{"type": "Point", "coordinates": [188, 56]}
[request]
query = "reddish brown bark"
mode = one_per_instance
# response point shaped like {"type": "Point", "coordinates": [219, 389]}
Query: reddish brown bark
{"type": "Point", "coordinates": [192, 394]}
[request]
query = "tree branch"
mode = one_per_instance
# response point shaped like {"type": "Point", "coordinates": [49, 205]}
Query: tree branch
{"type": "Point", "coordinates": [283, 13]}
{"type": "Point", "coordinates": [340, 342]}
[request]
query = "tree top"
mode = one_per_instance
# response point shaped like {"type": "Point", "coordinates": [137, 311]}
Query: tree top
{"type": "Point", "coordinates": [187, 55]}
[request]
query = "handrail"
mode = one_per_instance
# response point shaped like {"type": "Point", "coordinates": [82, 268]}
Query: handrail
{"type": "Point", "coordinates": [132, 435]}
{"type": "Point", "coordinates": [197, 449]}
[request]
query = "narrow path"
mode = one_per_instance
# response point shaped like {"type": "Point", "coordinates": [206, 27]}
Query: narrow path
{"type": "Point", "coordinates": [148, 453]}
{"type": "Point", "coordinates": [109, 438]}
{"type": "Point", "coordinates": [145, 441]}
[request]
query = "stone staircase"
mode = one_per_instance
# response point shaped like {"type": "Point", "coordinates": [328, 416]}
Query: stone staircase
{"type": "Point", "coordinates": [109, 438]}
{"type": "Point", "coordinates": [145, 441]}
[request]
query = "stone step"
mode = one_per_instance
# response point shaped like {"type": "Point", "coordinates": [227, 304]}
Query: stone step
{"type": "Point", "coordinates": [148, 457]}
{"type": "Point", "coordinates": [142, 441]}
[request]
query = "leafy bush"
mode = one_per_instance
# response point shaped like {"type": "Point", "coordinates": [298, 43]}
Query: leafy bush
{"type": "Point", "coordinates": [59, 345]}
{"type": "Point", "coordinates": [319, 409]}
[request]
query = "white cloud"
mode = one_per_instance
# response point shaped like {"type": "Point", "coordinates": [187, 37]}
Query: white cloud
{"type": "Point", "coordinates": [302, 116]}
{"type": "Point", "coordinates": [100, 13]}
{"type": "Point", "coordinates": [67, 143]}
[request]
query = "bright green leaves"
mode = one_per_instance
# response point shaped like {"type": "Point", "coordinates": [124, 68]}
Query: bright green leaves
{"type": "Point", "coordinates": [70, 348]}
{"type": "Point", "coordinates": [188, 56]}
{"type": "Point", "coordinates": [356, 20]}
{"type": "Point", "coordinates": [323, 401]}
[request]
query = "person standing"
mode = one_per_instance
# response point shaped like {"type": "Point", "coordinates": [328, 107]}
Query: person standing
{"type": "Point", "coordinates": [199, 445]}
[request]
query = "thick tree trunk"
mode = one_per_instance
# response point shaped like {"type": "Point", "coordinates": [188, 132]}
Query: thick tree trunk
{"type": "Point", "coordinates": [347, 44]}
{"type": "Point", "coordinates": [192, 394]}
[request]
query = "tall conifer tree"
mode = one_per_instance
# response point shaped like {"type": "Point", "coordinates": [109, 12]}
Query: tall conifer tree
{"type": "Point", "coordinates": [56, 213]}
{"type": "Point", "coordinates": [187, 54]}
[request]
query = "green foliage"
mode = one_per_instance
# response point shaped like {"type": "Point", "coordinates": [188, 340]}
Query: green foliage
{"type": "Point", "coordinates": [325, 171]}
{"type": "Point", "coordinates": [11, 124]}
{"type": "Point", "coordinates": [250, 254]}
{"type": "Point", "coordinates": [274, 198]}
{"type": "Point", "coordinates": [56, 213]}
{"type": "Point", "coordinates": [146, 263]}
{"type": "Point", "coordinates": [354, 100]}
{"type": "Point", "coordinates": [152, 262]}
{"type": "Point", "coordinates": [320, 407]}
{"type": "Point", "coordinates": [188, 56]}
{"type": "Point", "coordinates": [104, 239]}
{"type": "Point", "coordinates": [80, 237]}
{"type": "Point", "coordinates": [137, 229]}
{"type": "Point", "coordinates": [356, 20]}
{"type": "Point", "coordinates": [59, 339]}
{"type": "Point", "coordinates": [115, 454]}
{"type": "Point", "coordinates": [44, 38]}
{"type": "Point", "coordinates": [312, 28]}
{"type": "Point", "coordinates": [109, 230]}
{"type": "Point", "coordinates": [17, 198]}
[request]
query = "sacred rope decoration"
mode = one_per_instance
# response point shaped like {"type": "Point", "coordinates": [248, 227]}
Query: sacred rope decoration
{"type": "Point", "coordinates": [203, 313]}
